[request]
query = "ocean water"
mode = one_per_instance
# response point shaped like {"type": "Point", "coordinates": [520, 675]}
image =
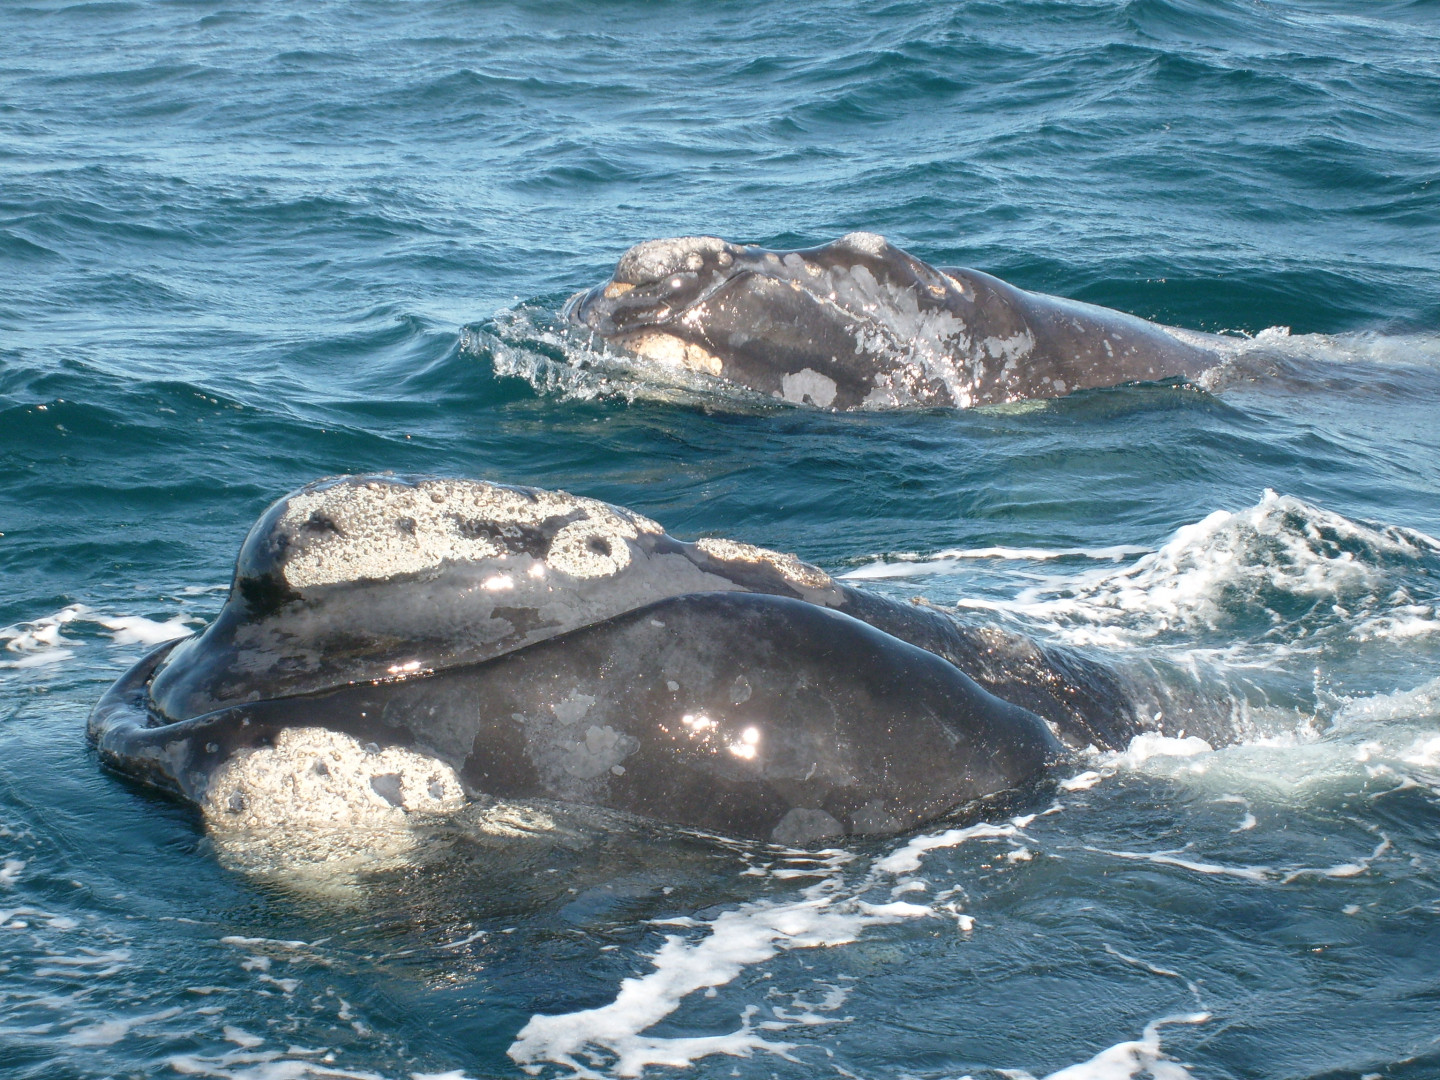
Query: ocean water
{"type": "Point", "coordinates": [247, 244]}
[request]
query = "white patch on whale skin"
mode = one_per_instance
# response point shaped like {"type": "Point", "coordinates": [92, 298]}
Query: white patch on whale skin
{"type": "Point", "coordinates": [600, 751]}
{"type": "Point", "coordinates": [655, 259]}
{"type": "Point", "coordinates": [808, 383]}
{"type": "Point", "coordinates": [864, 243]}
{"type": "Point", "coordinates": [377, 529]}
{"type": "Point", "coordinates": [803, 825]}
{"type": "Point", "coordinates": [573, 707]}
{"type": "Point", "coordinates": [789, 566]}
{"type": "Point", "coordinates": [1012, 348]}
{"type": "Point", "coordinates": [921, 346]}
{"type": "Point", "coordinates": [314, 779]}
{"type": "Point", "coordinates": [675, 352]}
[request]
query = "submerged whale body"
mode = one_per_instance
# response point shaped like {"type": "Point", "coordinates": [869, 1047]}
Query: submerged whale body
{"type": "Point", "coordinates": [859, 323]}
{"type": "Point", "coordinates": [392, 645]}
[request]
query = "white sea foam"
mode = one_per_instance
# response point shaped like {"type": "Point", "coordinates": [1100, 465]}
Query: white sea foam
{"type": "Point", "coordinates": [1256, 873]}
{"type": "Point", "coordinates": [525, 342]}
{"type": "Point", "coordinates": [263, 1065]}
{"type": "Point", "coordinates": [109, 1032]}
{"type": "Point", "coordinates": [1229, 565]}
{"type": "Point", "coordinates": [907, 858]}
{"type": "Point", "coordinates": [39, 642]}
{"type": "Point", "coordinates": [42, 642]}
{"type": "Point", "coordinates": [10, 872]}
{"type": "Point", "coordinates": [1421, 702]}
{"type": "Point", "coordinates": [1137, 1057]}
{"type": "Point", "coordinates": [910, 564]}
{"type": "Point", "coordinates": [737, 939]}
{"type": "Point", "coordinates": [827, 913]}
{"type": "Point", "coordinates": [138, 630]}
{"type": "Point", "coordinates": [1373, 349]}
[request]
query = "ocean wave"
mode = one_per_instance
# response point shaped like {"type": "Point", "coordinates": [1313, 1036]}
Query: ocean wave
{"type": "Point", "coordinates": [1275, 571]}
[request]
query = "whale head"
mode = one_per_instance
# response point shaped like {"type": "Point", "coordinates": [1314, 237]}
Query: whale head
{"type": "Point", "coordinates": [815, 326]}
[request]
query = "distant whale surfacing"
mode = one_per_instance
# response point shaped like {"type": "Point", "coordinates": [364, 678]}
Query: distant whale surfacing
{"type": "Point", "coordinates": [400, 644]}
{"type": "Point", "coordinates": [859, 323]}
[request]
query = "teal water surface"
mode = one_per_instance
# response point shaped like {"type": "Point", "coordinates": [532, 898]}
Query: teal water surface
{"type": "Point", "coordinates": [245, 245]}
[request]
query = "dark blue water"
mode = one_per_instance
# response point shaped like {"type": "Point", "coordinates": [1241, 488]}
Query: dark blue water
{"type": "Point", "coordinates": [246, 245]}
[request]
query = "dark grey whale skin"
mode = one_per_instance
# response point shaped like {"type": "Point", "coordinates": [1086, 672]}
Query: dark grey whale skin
{"type": "Point", "coordinates": [877, 734]}
{"type": "Point", "coordinates": [877, 714]}
{"type": "Point", "coordinates": [876, 325]}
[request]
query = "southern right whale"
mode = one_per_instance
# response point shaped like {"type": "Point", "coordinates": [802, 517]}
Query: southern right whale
{"type": "Point", "coordinates": [860, 324]}
{"type": "Point", "coordinates": [393, 644]}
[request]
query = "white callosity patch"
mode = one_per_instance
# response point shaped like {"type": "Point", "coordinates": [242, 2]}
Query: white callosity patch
{"type": "Point", "coordinates": [1011, 350]}
{"type": "Point", "coordinates": [921, 344]}
{"type": "Point", "coordinates": [316, 778]}
{"type": "Point", "coordinates": [567, 748]}
{"type": "Point", "coordinates": [599, 751]}
{"type": "Point", "coordinates": [863, 243]}
{"type": "Point", "coordinates": [655, 259]}
{"type": "Point", "coordinates": [789, 567]}
{"type": "Point", "coordinates": [808, 384]}
{"type": "Point", "coordinates": [378, 529]}
{"type": "Point", "coordinates": [674, 352]}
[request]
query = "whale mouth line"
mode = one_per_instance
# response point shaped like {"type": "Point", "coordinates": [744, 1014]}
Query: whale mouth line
{"type": "Point", "coordinates": [578, 307]}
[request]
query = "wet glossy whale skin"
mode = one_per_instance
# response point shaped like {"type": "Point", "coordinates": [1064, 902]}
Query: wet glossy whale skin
{"type": "Point", "coordinates": [541, 644]}
{"type": "Point", "coordinates": [859, 323]}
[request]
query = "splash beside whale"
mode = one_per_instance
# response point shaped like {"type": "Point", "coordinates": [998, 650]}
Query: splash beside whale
{"type": "Point", "coordinates": [400, 644]}
{"type": "Point", "coordinates": [861, 324]}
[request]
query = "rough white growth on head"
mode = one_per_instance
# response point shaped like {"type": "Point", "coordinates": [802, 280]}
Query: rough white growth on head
{"type": "Point", "coordinates": [808, 383]}
{"type": "Point", "coordinates": [865, 243]}
{"type": "Point", "coordinates": [315, 778]}
{"type": "Point", "coordinates": [789, 567]}
{"type": "Point", "coordinates": [674, 352]}
{"type": "Point", "coordinates": [587, 549]}
{"type": "Point", "coordinates": [378, 529]}
{"type": "Point", "coordinates": [655, 259]}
